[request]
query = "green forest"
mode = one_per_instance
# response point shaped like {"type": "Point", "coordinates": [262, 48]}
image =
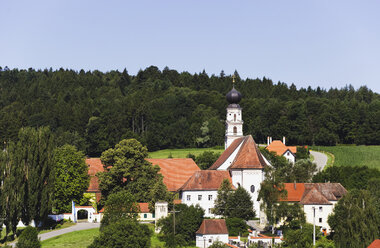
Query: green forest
{"type": "Point", "coordinates": [94, 110]}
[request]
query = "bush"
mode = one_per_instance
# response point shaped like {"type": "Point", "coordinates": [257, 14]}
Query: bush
{"type": "Point", "coordinates": [124, 233]}
{"type": "Point", "coordinates": [236, 227]}
{"type": "Point", "coordinates": [28, 238]}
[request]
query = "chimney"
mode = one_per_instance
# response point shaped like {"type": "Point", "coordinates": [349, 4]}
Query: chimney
{"type": "Point", "coordinates": [295, 185]}
{"type": "Point", "coordinates": [268, 141]}
{"type": "Point", "coordinates": [283, 140]}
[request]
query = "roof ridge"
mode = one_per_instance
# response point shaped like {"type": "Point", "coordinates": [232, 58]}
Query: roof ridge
{"type": "Point", "coordinates": [245, 138]}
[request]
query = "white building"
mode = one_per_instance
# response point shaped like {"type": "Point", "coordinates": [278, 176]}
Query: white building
{"type": "Point", "coordinates": [202, 188]}
{"type": "Point", "coordinates": [210, 231]}
{"type": "Point", "coordinates": [318, 197]}
{"type": "Point", "coordinates": [278, 147]}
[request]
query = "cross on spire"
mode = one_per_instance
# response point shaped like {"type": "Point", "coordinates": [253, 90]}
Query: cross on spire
{"type": "Point", "coordinates": [233, 78]}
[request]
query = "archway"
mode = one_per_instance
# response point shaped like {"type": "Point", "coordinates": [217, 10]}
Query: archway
{"type": "Point", "coordinates": [82, 215]}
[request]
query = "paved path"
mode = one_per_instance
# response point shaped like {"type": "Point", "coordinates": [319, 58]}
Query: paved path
{"type": "Point", "coordinates": [77, 227]}
{"type": "Point", "coordinates": [320, 159]}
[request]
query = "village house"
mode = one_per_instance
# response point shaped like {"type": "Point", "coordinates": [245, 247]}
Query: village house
{"type": "Point", "coordinates": [318, 198]}
{"type": "Point", "coordinates": [202, 188]}
{"type": "Point", "coordinates": [278, 147]}
{"type": "Point", "coordinates": [210, 231]}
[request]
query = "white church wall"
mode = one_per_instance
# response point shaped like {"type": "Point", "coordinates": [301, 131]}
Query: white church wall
{"type": "Point", "coordinates": [290, 157]}
{"type": "Point", "coordinates": [205, 199]}
{"type": "Point", "coordinates": [247, 178]}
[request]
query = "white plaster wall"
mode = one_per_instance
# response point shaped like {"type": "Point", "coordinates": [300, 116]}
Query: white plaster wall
{"type": "Point", "coordinates": [290, 157]}
{"type": "Point", "coordinates": [204, 241]}
{"type": "Point", "coordinates": [149, 217]}
{"type": "Point", "coordinates": [324, 213]}
{"type": "Point", "coordinates": [204, 203]}
{"type": "Point", "coordinates": [230, 159]}
{"type": "Point", "coordinates": [247, 177]}
{"type": "Point", "coordinates": [231, 123]}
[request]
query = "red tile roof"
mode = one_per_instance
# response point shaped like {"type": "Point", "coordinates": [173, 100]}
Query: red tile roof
{"type": "Point", "coordinates": [295, 191]}
{"type": "Point", "coordinates": [248, 156]}
{"type": "Point", "coordinates": [144, 207]}
{"type": "Point", "coordinates": [213, 226]}
{"type": "Point", "coordinates": [176, 171]}
{"type": "Point", "coordinates": [94, 166]}
{"type": "Point", "coordinates": [314, 193]}
{"type": "Point", "coordinates": [177, 201]}
{"type": "Point", "coordinates": [206, 180]}
{"type": "Point", "coordinates": [375, 244]}
{"type": "Point", "coordinates": [280, 148]}
{"type": "Point", "coordinates": [227, 153]}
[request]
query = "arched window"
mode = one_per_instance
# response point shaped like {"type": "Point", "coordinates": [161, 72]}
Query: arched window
{"type": "Point", "coordinates": [234, 117]}
{"type": "Point", "coordinates": [238, 184]}
{"type": "Point", "coordinates": [235, 130]}
{"type": "Point", "coordinates": [252, 188]}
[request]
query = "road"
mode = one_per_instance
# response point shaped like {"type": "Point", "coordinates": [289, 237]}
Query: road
{"type": "Point", "coordinates": [77, 227]}
{"type": "Point", "coordinates": [320, 159]}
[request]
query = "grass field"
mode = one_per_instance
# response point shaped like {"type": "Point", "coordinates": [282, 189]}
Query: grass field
{"type": "Point", "coordinates": [82, 239]}
{"type": "Point", "coordinates": [353, 155]}
{"type": "Point", "coordinates": [78, 239]}
{"type": "Point", "coordinates": [182, 153]}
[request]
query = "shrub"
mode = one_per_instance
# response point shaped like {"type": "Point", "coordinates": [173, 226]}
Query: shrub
{"type": "Point", "coordinates": [28, 238]}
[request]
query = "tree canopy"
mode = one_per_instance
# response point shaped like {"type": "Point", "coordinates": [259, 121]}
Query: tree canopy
{"type": "Point", "coordinates": [71, 177]}
{"type": "Point", "coordinates": [127, 170]}
{"type": "Point", "coordinates": [94, 110]}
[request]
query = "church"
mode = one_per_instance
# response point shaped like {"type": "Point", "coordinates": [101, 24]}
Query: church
{"type": "Point", "coordinates": [241, 162]}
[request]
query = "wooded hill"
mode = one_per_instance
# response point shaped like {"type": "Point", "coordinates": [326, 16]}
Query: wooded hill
{"type": "Point", "coordinates": [167, 109]}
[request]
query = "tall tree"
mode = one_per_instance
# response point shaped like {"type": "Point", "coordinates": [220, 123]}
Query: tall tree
{"type": "Point", "coordinates": [355, 220]}
{"type": "Point", "coordinates": [240, 205]}
{"type": "Point", "coordinates": [71, 177]}
{"type": "Point", "coordinates": [224, 192]}
{"type": "Point", "coordinates": [126, 169]}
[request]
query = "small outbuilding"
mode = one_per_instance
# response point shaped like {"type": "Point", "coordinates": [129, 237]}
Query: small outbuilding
{"type": "Point", "coordinates": [210, 231]}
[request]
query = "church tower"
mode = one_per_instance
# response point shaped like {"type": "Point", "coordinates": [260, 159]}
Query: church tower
{"type": "Point", "coordinates": [234, 121]}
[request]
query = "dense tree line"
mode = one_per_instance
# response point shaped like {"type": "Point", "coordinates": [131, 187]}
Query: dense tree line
{"type": "Point", "coordinates": [167, 109]}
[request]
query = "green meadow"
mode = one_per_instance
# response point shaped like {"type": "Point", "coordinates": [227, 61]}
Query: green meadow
{"type": "Point", "coordinates": [351, 155]}
{"type": "Point", "coordinates": [182, 153]}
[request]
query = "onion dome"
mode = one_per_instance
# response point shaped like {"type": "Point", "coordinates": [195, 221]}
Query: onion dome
{"type": "Point", "coordinates": [234, 96]}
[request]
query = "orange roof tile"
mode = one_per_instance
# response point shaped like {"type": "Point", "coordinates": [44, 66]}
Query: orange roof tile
{"type": "Point", "coordinates": [227, 153]}
{"type": "Point", "coordinates": [213, 226]}
{"type": "Point", "coordinates": [280, 148]}
{"type": "Point", "coordinates": [249, 156]}
{"type": "Point", "coordinates": [144, 207]}
{"type": "Point", "coordinates": [176, 171]}
{"type": "Point", "coordinates": [206, 180]}
{"type": "Point", "coordinates": [295, 191]}
{"type": "Point", "coordinates": [375, 244]}
{"type": "Point", "coordinates": [314, 193]}
{"type": "Point", "coordinates": [177, 201]}
{"type": "Point", "coordinates": [94, 166]}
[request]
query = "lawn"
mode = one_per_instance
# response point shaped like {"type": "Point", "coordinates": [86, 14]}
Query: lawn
{"type": "Point", "coordinates": [78, 239]}
{"type": "Point", "coordinates": [82, 239]}
{"type": "Point", "coordinates": [353, 155]}
{"type": "Point", "coordinates": [182, 153]}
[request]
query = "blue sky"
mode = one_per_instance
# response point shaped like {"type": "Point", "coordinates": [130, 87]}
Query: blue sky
{"type": "Point", "coordinates": [319, 43]}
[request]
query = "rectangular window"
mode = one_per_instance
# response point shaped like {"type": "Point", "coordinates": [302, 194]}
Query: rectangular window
{"type": "Point", "coordinates": [188, 197]}
{"type": "Point", "coordinates": [209, 210]}
{"type": "Point", "coordinates": [153, 215]}
{"type": "Point", "coordinates": [199, 197]}
{"type": "Point", "coordinates": [320, 209]}
{"type": "Point", "coordinates": [210, 197]}
{"type": "Point", "coordinates": [145, 216]}
{"type": "Point", "coordinates": [320, 220]}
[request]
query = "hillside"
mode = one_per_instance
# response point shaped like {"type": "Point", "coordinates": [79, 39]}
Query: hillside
{"type": "Point", "coordinates": [353, 155]}
{"type": "Point", "coordinates": [169, 109]}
